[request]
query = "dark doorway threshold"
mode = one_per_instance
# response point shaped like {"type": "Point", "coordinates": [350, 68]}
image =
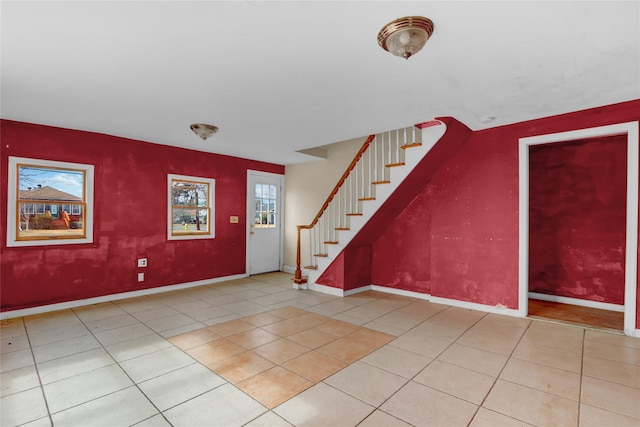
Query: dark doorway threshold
{"type": "Point", "coordinates": [583, 316]}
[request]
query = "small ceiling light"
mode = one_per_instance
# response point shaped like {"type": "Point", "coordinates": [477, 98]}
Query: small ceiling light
{"type": "Point", "coordinates": [203, 131]}
{"type": "Point", "coordinates": [405, 36]}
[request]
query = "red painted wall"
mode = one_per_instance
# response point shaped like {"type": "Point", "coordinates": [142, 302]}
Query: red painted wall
{"type": "Point", "coordinates": [471, 203]}
{"type": "Point", "coordinates": [346, 272]}
{"type": "Point", "coordinates": [473, 211]}
{"type": "Point", "coordinates": [130, 218]}
{"type": "Point", "coordinates": [407, 241]}
{"type": "Point", "coordinates": [454, 137]}
{"type": "Point", "coordinates": [474, 222]}
{"type": "Point", "coordinates": [577, 206]}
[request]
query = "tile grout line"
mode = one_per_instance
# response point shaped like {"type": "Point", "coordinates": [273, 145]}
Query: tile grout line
{"type": "Point", "coordinates": [331, 316]}
{"type": "Point", "coordinates": [500, 373]}
{"type": "Point", "coordinates": [436, 358]}
{"type": "Point", "coordinates": [250, 351]}
{"type": "Point", "coordinates": [195, 362]}
{"type": "Point", "coordinates": [345, 367]}
{"type": "Point", "coordinates": [309, 350]}
{"type": "Point", "coordinates": [509, 357]}
{"type": "Point", "coordinates": [135, 383]}
{"type": "Point", "coordinates": [35, 365]}
{"type": "Point", "coordinates": [584, 335]}
{"type": "Point", "coordinates": [101, 345]}
{"type": "Point", "coordinates": [377, 408]}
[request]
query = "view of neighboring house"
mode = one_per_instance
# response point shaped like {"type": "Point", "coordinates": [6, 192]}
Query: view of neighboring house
{"type": "Point", "coordinates": [45, 208]}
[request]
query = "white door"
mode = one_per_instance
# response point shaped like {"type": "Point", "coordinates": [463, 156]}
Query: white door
{"type": "Point", "coordinates": [264, 222]}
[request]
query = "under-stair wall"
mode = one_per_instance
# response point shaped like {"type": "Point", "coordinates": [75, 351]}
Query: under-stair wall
{"type": "Point", "coordinates": [357, 251]}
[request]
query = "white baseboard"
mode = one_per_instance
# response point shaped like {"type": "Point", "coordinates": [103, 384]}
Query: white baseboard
{"type": "Point", "coordinates": [113, 297]}
{"type": "Point", "coordinates": [496, 309]}
{"type": "Point", "coordinates": [338, 292]}
{"type": "Point", "coordinates": [437, 300]}
{"type": "Point", "coordinates": [577, 301]}
{"type": "Point", "coordinates": [326, 289]}
{"type": "Point", "coordinates": [357, 290]}
{"type": "Point", "coordinates": [341, 293]}
{"type": "Point", "coordinates": [401, 292]}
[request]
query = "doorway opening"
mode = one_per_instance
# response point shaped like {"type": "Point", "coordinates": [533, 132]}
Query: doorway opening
{"type": "Point", "coordinates": [578, 226]}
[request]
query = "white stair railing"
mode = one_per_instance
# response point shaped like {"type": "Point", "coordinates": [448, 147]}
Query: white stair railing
{"type": "Point", "coordinates": [370, 168]}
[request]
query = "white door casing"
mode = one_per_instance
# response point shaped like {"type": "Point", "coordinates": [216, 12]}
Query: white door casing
{"type": "Point", "coordinates": [630, 129]}
{"type": "Point", "coordinates": [264, 222]}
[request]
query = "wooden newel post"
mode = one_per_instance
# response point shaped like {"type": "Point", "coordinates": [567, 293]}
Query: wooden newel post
{"type": "Point", "coordinates": [298, 276]}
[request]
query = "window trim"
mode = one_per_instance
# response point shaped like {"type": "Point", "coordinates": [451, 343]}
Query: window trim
{"type": "Point", "coordinates": [12, 201]}
{"type": "Point", "coordinates": [212, 214]}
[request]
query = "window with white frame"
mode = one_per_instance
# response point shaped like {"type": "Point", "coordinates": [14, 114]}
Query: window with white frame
{"type": "Point", "coordinates": [191, 212]}
{"type": "Point", "coordinates": [49, 202]}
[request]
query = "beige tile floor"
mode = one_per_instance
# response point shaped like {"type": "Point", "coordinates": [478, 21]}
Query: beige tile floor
{"type": "Point", "coordinates": [255, 352]}
{"type": "Point", "coordinates": [274, 356]}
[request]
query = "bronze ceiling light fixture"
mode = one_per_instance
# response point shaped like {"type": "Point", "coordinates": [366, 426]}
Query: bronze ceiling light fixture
{"type": "Point", "coordinates": [204, 131]}
{"type": "Point", "coordinates": [405, 36]}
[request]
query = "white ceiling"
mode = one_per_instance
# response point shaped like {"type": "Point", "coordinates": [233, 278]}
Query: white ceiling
{"type": "Point", "coordinates": [278, 77]}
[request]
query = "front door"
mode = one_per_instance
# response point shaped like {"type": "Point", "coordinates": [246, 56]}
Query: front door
{"type": "Point", "coordinates": [264, 222]}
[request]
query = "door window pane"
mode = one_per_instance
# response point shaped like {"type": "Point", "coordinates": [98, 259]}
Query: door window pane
{"type": "Point", "coordinates": [265, 213]}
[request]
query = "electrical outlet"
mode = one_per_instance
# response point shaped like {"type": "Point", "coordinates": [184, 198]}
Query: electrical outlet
{"type": "Point", "coordinates": [140, 277]}
{"type": "Point", "coordinates": [142, 262]}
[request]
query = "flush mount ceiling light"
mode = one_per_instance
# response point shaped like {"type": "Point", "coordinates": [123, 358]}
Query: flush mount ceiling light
{"type": "Point", "coordinates": [203, 131]}
{"type": "Point", "coordinates": [405, 36]}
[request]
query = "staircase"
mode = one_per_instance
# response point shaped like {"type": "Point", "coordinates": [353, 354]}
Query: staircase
{"type": "Point", "coordinates": [378, 169]}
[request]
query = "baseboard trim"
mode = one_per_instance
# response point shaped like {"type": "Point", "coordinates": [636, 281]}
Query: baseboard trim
{"type": "Point", "coordinates": [577, 301]}
{"type": "Point", "coordinates": [357, 290]}
{"type": "Point", "coordinates": [401, 292]}
{"type": "Point", "coordinates": [113, 297]}
{"type": "Point", "coordinates": [330, 290]}
{"type": "Point", "coordinates": [497, 309]}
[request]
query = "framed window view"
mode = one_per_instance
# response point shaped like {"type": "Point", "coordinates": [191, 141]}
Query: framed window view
{"type": "Point", "coordinates": [49, 202]}
{"type": "Point", "coordinates": [190, 207]}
